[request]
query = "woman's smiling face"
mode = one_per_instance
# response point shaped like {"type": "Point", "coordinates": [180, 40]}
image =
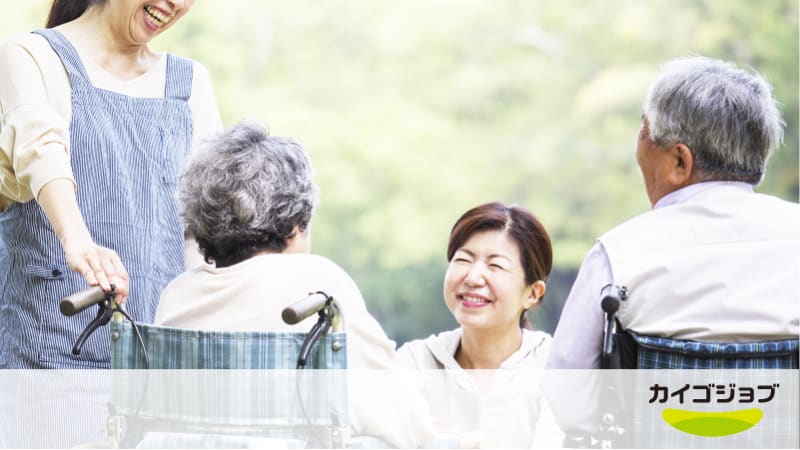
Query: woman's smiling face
{"type": "Point", "coordinates": [144, 20]}
{"type": "Point", "coordinates": [484, 286]}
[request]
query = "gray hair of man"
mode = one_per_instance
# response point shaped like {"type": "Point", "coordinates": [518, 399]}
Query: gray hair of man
{"type": "Point", "coordinates": [727, 116]}
{"type": "Point", "coordinates": [246, 192]}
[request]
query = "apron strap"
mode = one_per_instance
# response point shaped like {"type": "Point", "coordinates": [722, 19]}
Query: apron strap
{"type": "Point", "coordinates": [179, 77]}
{"type": "Point", "coordinates": [67, 53]}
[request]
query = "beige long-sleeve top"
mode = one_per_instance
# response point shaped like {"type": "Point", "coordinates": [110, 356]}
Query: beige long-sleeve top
{"type": "Point", "coordinates": [36, 110]}
{"type": "Point", "coordinates": [250, 296]}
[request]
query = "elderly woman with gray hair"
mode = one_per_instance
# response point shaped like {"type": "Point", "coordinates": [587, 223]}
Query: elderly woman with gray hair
{"type": "Point", "coordinates": [248, 200]}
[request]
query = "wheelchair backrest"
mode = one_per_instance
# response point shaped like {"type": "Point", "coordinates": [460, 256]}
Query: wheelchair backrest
{"type": "Point", "coordinates": [175, 348]}
{"type": "Point", "coordinates": [633, 417]}
{"type": "Point", "coordinates": [243, 402]}
{"type": "Point", "coordinates": [662, 353]}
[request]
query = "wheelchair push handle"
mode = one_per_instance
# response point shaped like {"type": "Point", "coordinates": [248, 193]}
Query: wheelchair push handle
{"type": "Point", "coordinates": [330, 317]}
{"type": "Point", "coordinates": [301, 309]}
{"type": "Point", "coordinates": [86, 298]}
{"type": "Point", "coordinates": [611, 297]}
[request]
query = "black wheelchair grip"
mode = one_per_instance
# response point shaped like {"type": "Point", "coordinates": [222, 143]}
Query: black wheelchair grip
{"type": "Point", "coordinates": [611, 296]}
{"type": "Point", "coordinates": [79, 301]}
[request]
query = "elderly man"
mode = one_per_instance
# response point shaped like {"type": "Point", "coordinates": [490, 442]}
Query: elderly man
{"type": "Point", "coordinates": [712, 261]}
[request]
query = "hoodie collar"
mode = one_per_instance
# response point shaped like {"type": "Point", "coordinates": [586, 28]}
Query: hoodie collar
{"type": "Point", "coordinates": [443, 347]}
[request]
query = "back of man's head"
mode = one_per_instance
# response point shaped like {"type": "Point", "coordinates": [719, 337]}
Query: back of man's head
{"type": "Point", "coordinates": [725, 115]}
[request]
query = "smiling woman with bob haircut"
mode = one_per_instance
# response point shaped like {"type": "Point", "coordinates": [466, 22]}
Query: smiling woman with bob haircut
{"type": "Point", "coordinates": [499, 258]}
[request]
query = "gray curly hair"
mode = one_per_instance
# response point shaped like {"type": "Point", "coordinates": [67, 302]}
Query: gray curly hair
{"type": "Point", "coordinates": [245, 192]}
{"type": "Point", "coordinates": [727, 117]}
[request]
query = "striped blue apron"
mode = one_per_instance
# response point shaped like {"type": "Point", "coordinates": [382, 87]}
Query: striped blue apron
{"type": "Point", "coordinates": [126, 154]}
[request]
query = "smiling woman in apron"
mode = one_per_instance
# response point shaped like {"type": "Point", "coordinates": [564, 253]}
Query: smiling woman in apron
{"type": "Point", "coordinates": [95, 128]}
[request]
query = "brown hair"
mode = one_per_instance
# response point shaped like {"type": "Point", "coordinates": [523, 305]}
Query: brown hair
{"type": "Point", "coordinates": [63, 11]}
{"type": "Point", "coordinates": [535, 250]}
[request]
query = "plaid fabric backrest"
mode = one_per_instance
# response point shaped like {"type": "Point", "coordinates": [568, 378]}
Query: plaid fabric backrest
{"type": "Point", "coordinates": [777, 429]}
{"type": "Point", "coordinates": [174, 348]}
{"type": "Point", "coordinates": [242, 399]}
{"type": "Point", "coordinates": [663, 353]}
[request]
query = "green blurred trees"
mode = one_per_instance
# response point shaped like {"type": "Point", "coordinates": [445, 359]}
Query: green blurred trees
{"type": "Point", "coordinates": [413, 112]}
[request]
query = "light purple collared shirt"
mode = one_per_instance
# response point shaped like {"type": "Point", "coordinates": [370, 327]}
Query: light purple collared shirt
{"type": "Point", "coordinates": [578, 338]}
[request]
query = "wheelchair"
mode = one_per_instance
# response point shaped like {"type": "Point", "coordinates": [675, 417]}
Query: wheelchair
{"type": "Point", "coordinates": [629, 413]}
{"type": "Point", "coordinates": [183, 400]}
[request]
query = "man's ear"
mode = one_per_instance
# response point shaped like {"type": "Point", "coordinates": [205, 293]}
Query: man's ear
{"type": "Point", "coordinates": [682, 169]}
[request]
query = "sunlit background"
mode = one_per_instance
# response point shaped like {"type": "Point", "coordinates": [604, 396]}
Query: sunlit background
{"type": "Point", "coordinates": [415, 111]}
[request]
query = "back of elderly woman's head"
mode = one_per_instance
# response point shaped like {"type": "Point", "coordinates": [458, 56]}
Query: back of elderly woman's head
{"type": "Point", "coordinates": [247, 192]}
{"type": "Point", "coordinates": [725, 115]}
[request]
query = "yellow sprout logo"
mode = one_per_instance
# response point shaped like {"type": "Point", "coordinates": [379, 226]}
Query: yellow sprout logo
{"type": "Point", "coordinates": [712, 424]}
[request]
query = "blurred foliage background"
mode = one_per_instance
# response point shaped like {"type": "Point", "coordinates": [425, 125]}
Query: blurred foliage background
{"type": "Point", "coordinates": [413, 112]}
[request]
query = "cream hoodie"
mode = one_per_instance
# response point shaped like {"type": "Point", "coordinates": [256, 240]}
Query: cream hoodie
{"type": "Point", "coordinates": [500, 408]}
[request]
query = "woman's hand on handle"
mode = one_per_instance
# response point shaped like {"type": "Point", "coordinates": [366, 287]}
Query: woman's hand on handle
{"type": "Point", "coordinates": [98, 265]}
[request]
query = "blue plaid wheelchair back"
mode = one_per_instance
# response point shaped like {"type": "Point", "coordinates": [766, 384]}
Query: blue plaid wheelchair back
{"type": "Point", "coordinates": [176, 348]}
{"type": "Point", "coordinates": [189, 402]}
{"type": "Point", "coordinates": [663, 353]}
{"type": "Point", "coordinates": [632, 417]}
{"type": "Point", "coordinates": [722, 368]}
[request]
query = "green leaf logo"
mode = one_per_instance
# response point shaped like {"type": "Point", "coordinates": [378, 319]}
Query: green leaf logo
{"type": "Point", "coordinates": [712, 424]}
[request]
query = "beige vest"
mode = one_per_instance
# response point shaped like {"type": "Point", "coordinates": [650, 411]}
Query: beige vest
{"type": "Point", "coordinates": [722, 266]}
